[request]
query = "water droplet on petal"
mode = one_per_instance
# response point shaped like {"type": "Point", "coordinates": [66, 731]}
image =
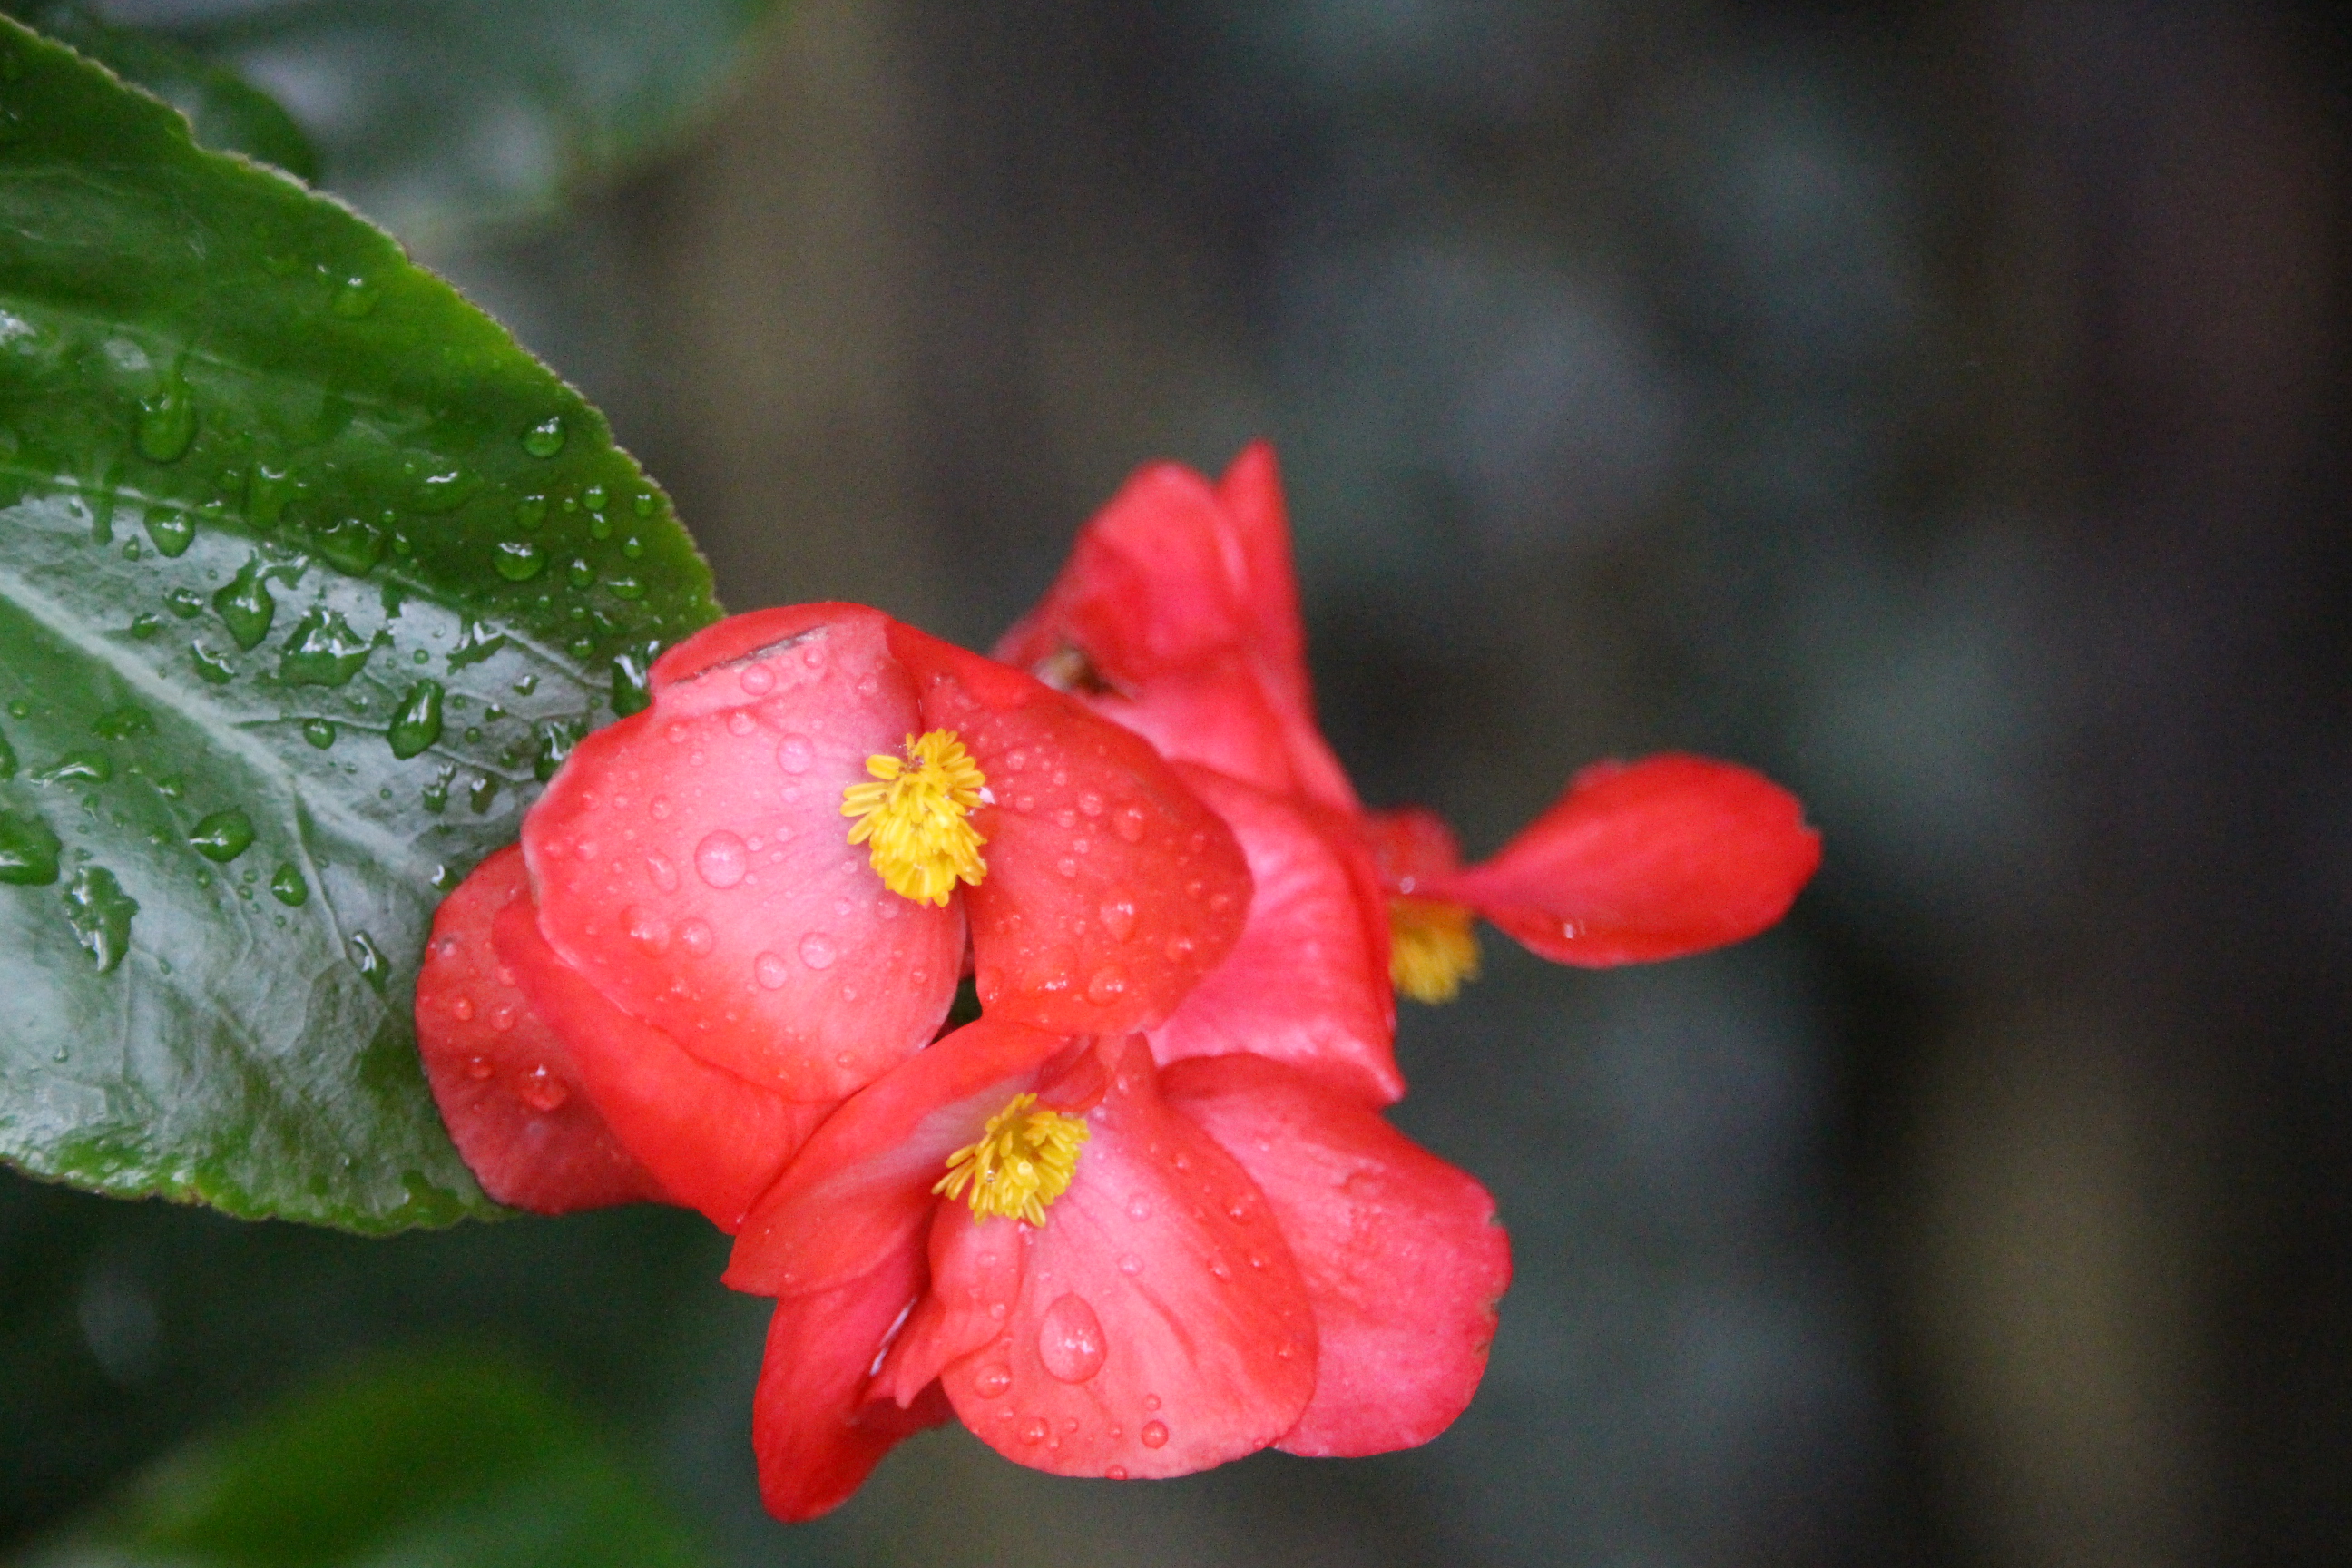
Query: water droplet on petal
{"type": "Point", "coordinates": [741, 724]}
{"type": "Point", "coordinates": [794, 754]}
{"type": "Point", "coordinates": [1155, 1434]}
{"type": "Point", "coordinates": [1107, 985]}
{"type": "Point", "coordinates": [1115, 1473]}
{"type": "Point", "coordinates": [647, 930]}
{"type": "Point", "coordinates": [663, 874]}
{"type": "Point", "coordinates": [1033, 1429]}
{"type": "Point", "coordinates": [479, 1069]}
{"type": "Point", "coordinates": [991, 1381]}
{"type": "Point", "coordinates": [769, 970]}
{"type": "Point", "coordinates": [542, 1090]}
{"type": "Point", "coordinates": [757, 679]}
{"type": "Point", "coordinates": [1129, 1264]}
{"type": "Point", "coordinates": [1070, 1339]}
{"type": "Point", "coordinates": [1118, 915]}
{"type": "Point", "coordinates": [1137, 1209]}
{"type": "Point", "coordinates": [503, 1018]}
{"type": "Point", "coordinates": [696, 937]}
{"type": "Point", "coordinates": [721, 858]}
{"type": "Point", "coordinates": [461, 1008]}
{"type": "Point", "coordinates": [817, 950]}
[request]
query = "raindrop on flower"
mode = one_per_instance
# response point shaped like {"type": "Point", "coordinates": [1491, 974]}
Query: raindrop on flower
{"type": "Point", "coordinates": [721, 858]}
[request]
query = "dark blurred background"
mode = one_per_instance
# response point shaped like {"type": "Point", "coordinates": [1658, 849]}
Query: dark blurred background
{"type": "Point", "coordinates": [1941, 408]}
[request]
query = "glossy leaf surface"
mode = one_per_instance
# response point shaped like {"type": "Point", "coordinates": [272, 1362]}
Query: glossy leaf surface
{"type": "Point", "coordinates": [308, 576]}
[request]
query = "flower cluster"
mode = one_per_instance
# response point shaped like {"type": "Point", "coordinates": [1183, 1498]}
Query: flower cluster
{"type": "Point", "coordinates": [1143, 1214]}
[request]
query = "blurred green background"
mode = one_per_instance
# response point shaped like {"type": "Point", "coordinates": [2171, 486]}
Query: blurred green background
{"type": "Point", "coordinates": [1938, 407]}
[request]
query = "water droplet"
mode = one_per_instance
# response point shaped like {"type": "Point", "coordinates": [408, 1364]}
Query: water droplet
{"type": "Point", "coordinates": [79, 767]}
{"type": "Point", "coordinates": [323, 650]}
{"type": "Point", "coordinates": [479, 1069]}
{"type": "Point", "coordinates": [769, 970]}
{"type": "Point", "coordinates": [167, 423]}
{"type": "Point", "coordinates": [224, 836]}
{"type": "Point", "coordinates": [121, 723]}
{"type": "Point", "coordinates": [794, 754]}
{"type": "Point", "coordinates": [1066, 867]}
{"type": "Point", "coordinates": [1139, 1209]}
{"type": "Point", "coordinates": [416, 724]}
{"type": "Point", "coordinates": [738, 722]}
{"type": "Point", "coordinates": [1070, 1339]}
{"type": "Point", "coordinates": [817, 950]}
{"type": "Point", "coordinates": [1129, 824]}
{"type": "Point", "coordinates": [519, 560]}
{"type": "Point", "coordinates": [1118, 915]}
{"type": "Point", "coordinates": [721, 858]}
{"type": "Point", "coordinates": [370, 960]}
{"type": "Point", "coordinates": [542, 1090]}
{"type": "Point", "coordinates": [352, 547]}
{"type": "Point", "coordinates": [756, 680]}
{"type": "Point", "coordinates": [101, 913]}
{"type": "Point", "coordinates": [461, 1008]}
{"type": "Point", "coordinates": [1091, 803]}
{"type": "Point", "coordinates": [1115, 1473]}
{"type": "Point", "coordinates": [1033, 1429]}
{"type": "Point", "coordinates": [1154, 1434]}
{"type": "Point", "coordinates": [173, 531]}
{"type": "Point", "coordinates": [647, 930]}
{"type": "Point", "coordinates": [28, 850]}
{"type": "Point", "coordinates": [184, 603]}
{"type": "Point", "coordinates": [580, 575]}
{"type": "Point", "coordinates": [663, 874]}
{"type": "Point", "coordinates": [354, 299]}
{"type": "Point", "coordinates": [1129, 1264]}
{"type": "Point", "coordinates": [285, 885]}
{"type": "Point", "coordinates": [320, 732]}
{"type": "Point", "coordinates": [244, 605]}
{"type": "Point", "coordinates": [1107, 985]}
{"type": "Point", "coordinates": [545, 438]}
{"type": "Point", "coordinates": [992, 1382]}
{"type": "Point", "coordinates": [695, 936]}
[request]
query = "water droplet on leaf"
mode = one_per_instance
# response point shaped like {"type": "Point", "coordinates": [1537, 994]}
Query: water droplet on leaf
{"type": "Point", "coordinates": [224, 836]}
{"type": "Point", "coordinates": [417, 723]}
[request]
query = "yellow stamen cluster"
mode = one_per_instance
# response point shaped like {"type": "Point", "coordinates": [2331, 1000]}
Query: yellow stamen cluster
{"type": "Point", "coordinates": [1432, 949]}
{"type": "Point", "coordinates": [915, 819]}
{"type": "Point", "coordinates": [1023, 1161]}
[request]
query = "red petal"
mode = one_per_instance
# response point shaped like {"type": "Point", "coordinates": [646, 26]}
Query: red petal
{"type": "Point", "coordinates": [1654, 860]}
{"type": "Point", "coordinates": [816, 1435]}
{"type": "Point", "coordinates": [1183, 602]}
{"type": "Point", "coordinates": [975, 1278]}
{"type": "Point", "coordinates": [861, 1186]}
{"type": "Point", "coordinates": [504, 1079]}
{"type": "Point", "coordinates": [1110, 890]}
{"type": "Point", "coordinates": [1403, 1259]}
{"type": "Point", "coordinates": [1410, 845]}
{"type": "Point", "coordinates": [1161, 1326]}
{"type": "Point", "coordinates": [693, 863]}
{"type": "Point", "coordinates": [1308, 982]}
{"type": "Point", "coordinates": [714, 1141]}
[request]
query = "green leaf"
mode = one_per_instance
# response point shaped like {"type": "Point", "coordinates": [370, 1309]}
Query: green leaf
{"type": "Point", "coordinates": [227, 114]}
{"type": "Point", "coordinates": [457, 1462]}
{"type": "Point", "coordinates": [435, 116]}
{"type": "Point", "coordinates": [305, 568]}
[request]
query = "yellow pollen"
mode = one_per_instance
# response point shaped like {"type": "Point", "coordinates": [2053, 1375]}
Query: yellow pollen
{"type": "Point", "coordinates": [915, 820]}
{"type": "Point", "coordinates": [1023, 1161]}
{"type": "Point", "coordinates": [1432, 949]}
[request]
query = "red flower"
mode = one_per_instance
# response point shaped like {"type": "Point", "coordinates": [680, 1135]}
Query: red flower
{"type": "Point", "coordinates": [1106, 1268]}
{"type": "Point", "coordinates": [748, 902]}
{"type": "Point", "coordinates": [1176, 616]}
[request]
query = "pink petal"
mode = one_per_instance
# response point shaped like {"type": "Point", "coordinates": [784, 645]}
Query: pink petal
{"type": "Point", "coordinates": [1412, 846]}
{"type": "Point", "coordinates": [1110, 890]}
{"type": "Point", "coordinates": [1308, 982]}
{"type": "Point", "coordinates": [714, 1141]}
{"type": "Point", "coordinates": [816, 1433]}
{"type": "Point", "coordinates": [975, 1278]}
{"type": "Point", "coordinates": [1654, 860]}
{"type": "Point", "coordinates": [504, 1079]}
{"type": "Point", "coordinates": [862, 1185]}
{"type": "Point", "coordinates": [1161, 1326]}
{"type": "Point", "coordinates": [1403, 1259]}
{"type": "Point", "coordinates": [693, 864]}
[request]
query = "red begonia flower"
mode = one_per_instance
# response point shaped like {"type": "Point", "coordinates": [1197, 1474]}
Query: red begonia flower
{"type": "Point", "coordinates": [694, 864]}
{"type": "Point", "coordinates": [1178, 616]}
{"type": "Point", "coordinates": [1137, 1275]}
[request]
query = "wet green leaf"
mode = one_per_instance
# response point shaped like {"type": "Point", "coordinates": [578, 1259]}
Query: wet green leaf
{"type": "Point", "coordinates": [236, 743]}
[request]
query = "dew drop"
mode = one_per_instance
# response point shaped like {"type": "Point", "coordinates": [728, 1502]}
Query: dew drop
{"type": "Point", "coordinates": [1115, 1473]}
{"type": "Point", "coordinates": [992, 1382]}
{"type": "Point", "coordinates": [1129, 824]}
{"type": "Point", "coordinates": [167, 423]}
{"type": "Point", "coordinates": [416, 722]}
{"type": "Point", "coordinates": [647, 930]}
{"type": "Point", "coordinates": [1137, 1209]}
{"type": "Point", "coordinates": [368, 960]}
{"type": "Point", "coordinates": [817, 950]}
{"type": "Point", "coordinates": [545, 438]}
{"type": "Point", "coordinates": [769, 970]}
{"type": "Point", "coordinates": [696, 937]}
{"type": "Point", "coordinates": [245, 605]}
{"type": "Point", "coordinates": [479, 1069]}
{"type": "Point", "coordinates": [1066, 867]}
{"type": "Point", "coordinates": [663, 874]}
{"type": "Point", "coordinates": [320, 732]}
{"type": "Point", "coordinates": [1129, 1264]}
{"type": "Point", "coordinates": [1070, 1339]}
{"type": "Point", "coordinates": [658, 809]}
{"type": "Point", "coordinates": [502, 1017]}
{"type": "Point", "coordinates": [1033, 1429]}
{"type": "Point", "coordinates": [1107, 985]}
{"type": "Point", "coordinates": [519, 560]}
{"type": "Point", "coordinates": [224, 836]}
{"type": "Point", "coordinates": [741, 724]}
{"type": "Point", "coordinates": [173, 531]}
{"type": "Point", "coordinates": [1155, 1434]}
{"type": "Point", "coordinates": [28, 851]}
{"type": "Point", "coordinates": [542, 1090]}
{"type": "Point", "coordinates": [1118, 915]}
{"type": "Point", "coordinates": [757, 681]}
{"type": "Point", "coordinates": [794, 754]}
{"type": "Point", "coordinates": [721, 858]}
